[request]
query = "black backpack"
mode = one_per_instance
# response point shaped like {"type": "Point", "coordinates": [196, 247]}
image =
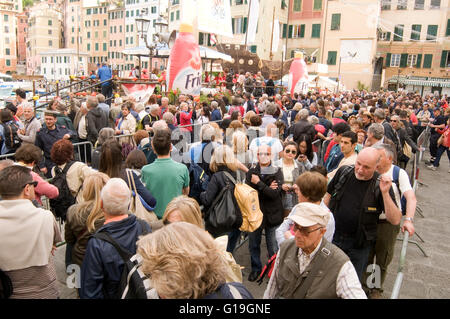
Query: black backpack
{"type": "Point", "coordinates": [12, 140]}
{"type": "Point", "coordinates": [6, 287]}
{"type": "Point", "coordinates": [134, 284]}
{"type": "Point", "coordinates": [199, 180]}
{"type": "Point", "coordinates": [65, 199]}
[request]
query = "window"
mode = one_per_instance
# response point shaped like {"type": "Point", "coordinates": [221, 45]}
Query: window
{"type": "Point", "coordinates": [50, 43]}
{"type": "Point", "coordinates": [120, 29]}
{"type": "Point", "coordinates": [317, 4]}
{"type": "Point", "coordinates": [385, 4]}
{"type": "Point", "coordinates": [96, 47]}
{"type": "Point", "coordinates": [301, 31]}
{"type": "Point", "coordinates": [137, 13]}
{"type": "Point", "coordinates": [88, 11]}
{"type": "Point", "coordinates": [171, 16]}
{"type": "Point", "coordinates": [7, 51]}
{"type": "Point", "coordinates": [73, 40]}
{"type": "Point", "coordinates": [297, 5]}
{"type": "Point", "coordinates": [153, 9]}
{"type": "Point", "coordinates": [89, 47]}
{"type": "Point", "coordinates": [132, 13]}
{"type": "Point", "coordinates": [132, 27]}
{"type": "Point", "coordinates": [290, 32]}
{"type": "Point", "coordinates": [419, 5]}
{"type": "Point", "coordinates": [385, 36]}
{"type": "Point", "coordinates": [6, 29]}
{"type": "Point", "coordinates": [5, 18]}
{"type": "Point", "coordinates": [415, 31]}
{"type": "Point", "coordinates": [315, 31]}
{"type": "Point", "coordinates": [104, 22]}
{"type": "Point", "coordinates": [253, 48]}
{"type": "Point", "coordinates": [49, 22]}
{"type": "Point", "coordinates": [331, 60]}
{"type": "Point", "coordinates": [432, 32]}
{"type": "Point", "coordinates": [49, 32]}
{"type": "Point", "coordinates": [398, 32]}
{"type": "Point", "coordinates": [96, 34]}
{"type": "Point", "coordinates": [178, 14]}
{"type": "Point", "coordinates": [128, 14]}
{"type": "Point", "coordinates": [395, 60]}
{"type": "Point", "coordinates": [95, 10]}
{"type": "Point", "coordinates": [104, 47]}
{"type": "Point", "coordinates": [120, 42]}
{"type": "Point", "coordinates": [128, 28]}
{"type": "Point", "coordinates": [412, 60]}
{"type": "Point", "coordinates": [427, 61]}
{"type": "Point", "coordinates": [104, 34]}
{"type": "Point", "coordinates": [8, 62]}
{"type": "Point", "coordinates": [335, 21]}
{"type": "Point", "coordinates": [445, 59]}
{"type": "Point", "coordinates": [402, 4]}
{"type": "Point", "coordinates": [126, 40]}
{"type": "Point", "coordinates": [88, 35]}
{"type": "Point", "coordinates": [435, 4]}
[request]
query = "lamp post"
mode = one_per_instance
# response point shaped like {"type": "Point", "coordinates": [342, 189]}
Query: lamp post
{"type": "Point", "coordinates": [398, 79]}
{"type": "Point", "coordinates": [142, 25]}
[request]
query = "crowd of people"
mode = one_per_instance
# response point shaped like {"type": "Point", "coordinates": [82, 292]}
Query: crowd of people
{"type": "Point", "coordinates": [328, 170]}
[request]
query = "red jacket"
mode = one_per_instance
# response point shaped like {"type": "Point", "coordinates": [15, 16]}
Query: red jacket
{"type": "Point", "coordinates": [446, 133]}
{"type": "Point", "coordinates": [185, 119]}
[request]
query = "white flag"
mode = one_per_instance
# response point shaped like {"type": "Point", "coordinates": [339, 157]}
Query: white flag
{"type": "Point", "coordinates": [276, 36]}
{"type": "Point", "coordinates": [253, 21]}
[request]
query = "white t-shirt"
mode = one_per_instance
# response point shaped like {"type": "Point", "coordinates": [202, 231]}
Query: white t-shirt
{"type": "Point", "coordinates": [403, 181]}
{"type": "Point", "coordinates": [82, 131]}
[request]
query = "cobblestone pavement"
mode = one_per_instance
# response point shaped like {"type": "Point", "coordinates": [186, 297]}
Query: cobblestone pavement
{"type": "Point", "coordinates": [424, 277]}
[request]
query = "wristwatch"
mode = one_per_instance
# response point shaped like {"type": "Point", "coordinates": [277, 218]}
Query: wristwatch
{"type": "Point", "coordinates": [410, 219]}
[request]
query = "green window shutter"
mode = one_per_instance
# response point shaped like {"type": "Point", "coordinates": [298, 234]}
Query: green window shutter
{"type": "Point", "coordinates": [317, 4]}
{"type": "Point", "coordinates": [444, 59]}
{"type": "Point", "coordinates": [403, 60]}
{"type": "Point", "coordinates": [427, 61]}
{"type": "Point", "coordinates": [388, 60]}
{"type": "Point", "coordinates": [335, 21]}
{"type": "Point", "coordinates": [398, 32]}
{"type": "Point", "coordinates": [284, 30]}
{"type": "Point", "coordinates": [447, 33]}
{"type": "Point", "coordinates": [315, 31]}
{"type": "Point", "coordinates": [432, 32]}
{"type": "Point", "coordinates": [419, 60]}
{"type": "Point", "coordinates": [331, 57]}
{"type": "Point", "coordinates": [89, 47]}
{"type": "Point", "coordinates": [302, 31]}
{"type": "Point", "coordinates": [290, 31]}
{"type": "Point", "coordinates": [253, 48]}
{"type": "Point", "coordinates": [415, 31]}
{"type": "Point", "coordinates": [200, 38]}
{"type": "Point", "coordinates": [244, 26]}
{"type": "Point", "coordinates": [209, 39]}
{"type": "Point", "coordinates": [297, 5]}
{"type": "Point", "coordinates": [232, 24]}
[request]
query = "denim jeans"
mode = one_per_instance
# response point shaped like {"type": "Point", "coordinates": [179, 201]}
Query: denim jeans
{"type": "Point", "coordinates": [233, 237]}
{"type": "Point", "coordinates": [254, 245]}
{"type": "Point", "coordinates": [358, 256]}
{"type": "Point", "coordinates": [440, 151]}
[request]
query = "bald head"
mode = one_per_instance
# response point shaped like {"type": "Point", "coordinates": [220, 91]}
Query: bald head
{"type": "Point", "coordinates": [366, 163]}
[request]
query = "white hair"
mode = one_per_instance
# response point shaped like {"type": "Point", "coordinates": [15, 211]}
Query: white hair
{"type": "Point", "coordinates": [303, 114]}
{"type": "Point", "coordinates": [207, 132]}
{"type": "Point", "coordinates": [139, 107]}
{"type": "Point", "coordinates": [28, 105]}
{"type": "Point", "coordinates": [116, 197]}
{"type": "Point", "coordinates": [160, 125]}
{"type": "Point", "coordinates": [313, 120]}
{"type": "Point", "coordinates": [154, 107]}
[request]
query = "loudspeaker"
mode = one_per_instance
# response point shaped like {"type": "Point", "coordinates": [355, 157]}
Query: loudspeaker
{"type": "Point", "coordinates": [168, 38]}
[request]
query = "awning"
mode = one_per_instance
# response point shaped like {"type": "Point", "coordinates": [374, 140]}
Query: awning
{"type": "Point", "coordinates": [420, 82]}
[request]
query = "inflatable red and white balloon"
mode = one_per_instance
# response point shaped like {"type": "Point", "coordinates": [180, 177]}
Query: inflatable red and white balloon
{"type": "Point", "coordinates": [298, 75]}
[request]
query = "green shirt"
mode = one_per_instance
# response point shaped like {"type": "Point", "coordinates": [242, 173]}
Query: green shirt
{"type": "Point", "coordinates": [165, 179]}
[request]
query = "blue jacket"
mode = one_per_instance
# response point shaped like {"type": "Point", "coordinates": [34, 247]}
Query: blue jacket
{"type": "Point", "coordinates": [334, 158]}
{"type": "Point", "coordinates": [215, 115]}
{"type": "Point", "coordinates": [104, 73]}
{"type": "Point", "coordinates": [102, 265]}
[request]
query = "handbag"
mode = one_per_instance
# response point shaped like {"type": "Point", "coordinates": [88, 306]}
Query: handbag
{"type": "Point", "coordinates": [440, 140]}
{"type": "Point", "coordinates": [136, 205]}
{"type": "Point", "coordinates": [222, 215]}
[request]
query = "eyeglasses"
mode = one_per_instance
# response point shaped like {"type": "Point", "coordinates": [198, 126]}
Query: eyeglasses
{"type": "Point", "coordinates": [290, 151]}
{"type": "Point", "coordinates": [304, 231]}
{"type": "Point", "coordinates": [34, 183]}
{"type": "Point", "coordinates": [394, 121]}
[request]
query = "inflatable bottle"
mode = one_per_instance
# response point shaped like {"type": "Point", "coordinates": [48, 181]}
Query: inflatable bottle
{"type": "Point", "coordinates": [298, 75]}
{"type": "Point", "coordinates": [184, 69]}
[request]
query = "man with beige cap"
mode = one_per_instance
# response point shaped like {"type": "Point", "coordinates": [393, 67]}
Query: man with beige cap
{"type": "Point", "coordinates": [308, 266]}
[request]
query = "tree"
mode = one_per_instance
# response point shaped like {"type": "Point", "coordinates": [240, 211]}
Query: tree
{"type": "Point", "coordinates": [27, 3]}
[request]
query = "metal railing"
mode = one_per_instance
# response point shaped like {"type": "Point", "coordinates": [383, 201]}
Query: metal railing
{"type": "Point", "coordinates": [399, 279]}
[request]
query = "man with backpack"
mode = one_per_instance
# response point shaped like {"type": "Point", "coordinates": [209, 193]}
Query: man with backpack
{"type": "Point", "coordinates": [103, 273]}
{"type": "Point", "coordinates": [9, 129]}
{"type": "Point", "coordinates": [267, 180]}
{"type": "Point", "coordinates": [386, 232]}
{"type": "Point", "coordinates": [357, 196]}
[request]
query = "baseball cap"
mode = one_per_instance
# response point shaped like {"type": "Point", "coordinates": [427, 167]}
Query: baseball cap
{"type": "Point", "coordinates": [308, 214]}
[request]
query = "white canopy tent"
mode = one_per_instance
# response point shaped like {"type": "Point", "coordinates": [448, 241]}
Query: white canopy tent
{"type": "Point", "coordinates": [322, 82]}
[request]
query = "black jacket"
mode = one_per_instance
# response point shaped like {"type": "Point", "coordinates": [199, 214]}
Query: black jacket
{"type": "Point", "coordinates": [96, 119]}
{"type": "Point", "coordinates": [269, 199]}
{"type": "Point", "coordinates": [300, 128]}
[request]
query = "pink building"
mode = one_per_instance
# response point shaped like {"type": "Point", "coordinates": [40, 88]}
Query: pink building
{"type": "Point", "coordinates": [116, 38]}
{"type": "Point", "coordinates": [22, 25]}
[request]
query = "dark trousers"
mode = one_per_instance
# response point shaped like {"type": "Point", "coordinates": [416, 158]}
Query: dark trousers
{"type": "Point", "coordinates": [383, 249]}
{"type": "Point", "coordinates": [433, 144]}
{"type": "Point", "coordinates": [440, 151]}
{"type": "Point", "coordinates": [84, 152]}
{"type": "Point", "coordinates": [254, 245]}
{"type": "Point", "coordinates": [233, 238]}
{"type": "Point", "coordinates": [358, 256]}
{"type": "Point", "coordinates": [107, 91]}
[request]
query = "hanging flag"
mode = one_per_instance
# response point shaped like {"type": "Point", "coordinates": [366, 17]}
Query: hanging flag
{"type": "Point", "coordinates": [213, 39]}
{"type": "Point", "coordinates": [276, 36]}
{"type": "Point", "coordinates": [253, 21]}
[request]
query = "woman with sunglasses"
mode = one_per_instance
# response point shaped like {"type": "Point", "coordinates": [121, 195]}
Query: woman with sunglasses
{"type": "Point", "coordinates": [291, 170]}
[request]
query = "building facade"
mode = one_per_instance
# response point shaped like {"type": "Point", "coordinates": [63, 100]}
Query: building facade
{"type": "Point", "coordinates": [22, 28]}
{"type": "Point", "coordinates": [116, 39]}
{"type": "Point", "coordinates": [8, 41]}
{"type": "Point", "coordinates": [44, 34]}
{"type": "Point", "coordinates": [58, 65]}
{"type": "Point", "coordinates": [414, 45]}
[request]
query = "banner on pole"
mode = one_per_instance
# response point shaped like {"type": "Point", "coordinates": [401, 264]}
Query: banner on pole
{"type": "Point", "coordinates": [253, 21]}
